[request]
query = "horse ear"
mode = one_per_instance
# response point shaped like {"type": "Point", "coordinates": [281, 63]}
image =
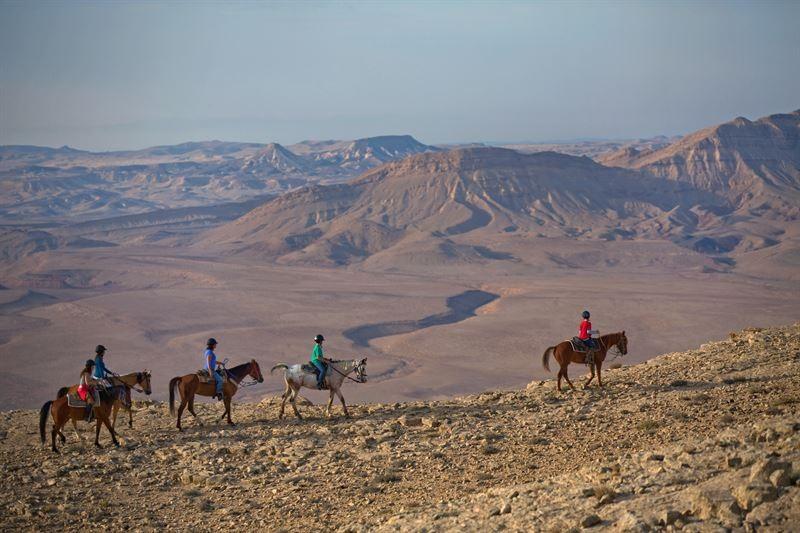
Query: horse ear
{"type": "Point", "coordinates": [623, 332]}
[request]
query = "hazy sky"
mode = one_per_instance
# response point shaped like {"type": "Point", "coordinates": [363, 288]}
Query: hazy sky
{"type": "Point", "coordinates": [113, 75]}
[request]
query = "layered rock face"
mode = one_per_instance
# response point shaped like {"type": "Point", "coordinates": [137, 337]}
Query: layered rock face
{"type": "Point", "coordinates": [697, 441]}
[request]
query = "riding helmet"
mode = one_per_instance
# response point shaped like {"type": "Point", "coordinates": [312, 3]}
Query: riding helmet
{"type": "Point", "coordinates": [319, 338]}
{"type": "Point", "coordinates": [100, 349]}
{"type": "Point", "coordinates": [211, 342]}
{"type": "Point", "coordinates": [89, 362]}
{"type": "Point", "coordinates": [585, 314]}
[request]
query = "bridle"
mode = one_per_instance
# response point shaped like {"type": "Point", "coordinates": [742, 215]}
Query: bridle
{"type": "Point", "coordinates": [249, 373]}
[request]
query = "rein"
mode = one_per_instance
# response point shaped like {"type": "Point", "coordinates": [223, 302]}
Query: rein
{"type": "Point", "coordinates": [344, 375]}
{"type": "Point", "coordinates": [237, 379]}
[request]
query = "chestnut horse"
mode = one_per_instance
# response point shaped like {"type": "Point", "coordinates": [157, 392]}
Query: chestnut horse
{"type": "Point", "coordinates": [62, 412]}
{"type": "Point", "coordinates": [189, 385]}
{"type": "Point", "coordinates": [130, 381]}
{"type": "Point", "coordinates": [565, 355]}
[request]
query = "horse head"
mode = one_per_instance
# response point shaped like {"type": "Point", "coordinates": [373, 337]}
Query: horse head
{"type": "Point", "coordinates": [622, 343]}
{"type": "Point", "coordinates": [255, 371]}
{"type": "Point", "coordinates": [143, 379]}
{"type": "Point", "coordinates": [361, 370]}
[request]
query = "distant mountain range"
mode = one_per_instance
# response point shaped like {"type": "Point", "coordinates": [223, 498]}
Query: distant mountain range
{"type": "Point", "coordinates": [733, 187]}
{"type": "Point", "coordinates": [45, 184]}
{"type": "Point", "coordinates": [728, 189]}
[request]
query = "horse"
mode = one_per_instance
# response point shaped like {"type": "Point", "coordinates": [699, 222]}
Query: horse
{"type": "Point", "coordinates": [189, 385]}
{"type": "Point", "coordinates": [565, 355]}
{"type": "Point", "coordinates": [296, 378]}
{"type": "Point", "coordinates": [61, 411]}
{"type": "Point", "coordinates": [130, 381]}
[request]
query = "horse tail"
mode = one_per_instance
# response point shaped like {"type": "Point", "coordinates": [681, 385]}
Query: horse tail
{"type": "Point", "coordinates": [546, 358]}
{"type": "Point", "coordinates": [172, 384]}
{"type": "Point", "coordinates": [62, 392]}
{"type": "Point", "coordinates": [43, 412]}
{"type": "Point", "coordinates": [279, 365]}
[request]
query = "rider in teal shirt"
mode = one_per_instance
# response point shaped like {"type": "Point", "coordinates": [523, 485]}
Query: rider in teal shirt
{"type": "Point", "coordinates": [319, 361]}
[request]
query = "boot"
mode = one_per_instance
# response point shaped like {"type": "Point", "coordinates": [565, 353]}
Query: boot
{"type": "Point", "coordinates": [89, 413]}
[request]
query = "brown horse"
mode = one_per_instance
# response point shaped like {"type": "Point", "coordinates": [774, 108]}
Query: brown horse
{"type": "Point", "coordinates": [129, 381]}
{"type": "Point", "coordinates": [62, 412]}
{"type": "Point", "coordinates": [565, 355]}
{"type": "Point", "coordinates": [189, 385]}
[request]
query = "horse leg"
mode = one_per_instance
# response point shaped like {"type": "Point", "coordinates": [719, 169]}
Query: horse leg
{"type": "Point", "coordinates": [586, 385]}
{"type": "Point", "coordinates": [130, 417]}
{"type": "Point", "coordinates": [185, 394]}
{"type": "Point", "coordinates": [330, 404]}
{"type": "Point", "coordinates": [77, 433]}
{"type": "Point", "coordinates": [286, 394]}
{"type": "Point", "coordinates": [344, 405]}
{"type": "Point", "coordinates": [110, 428]}
{"type": "Point", "coordinates": [599, 378]}
{"type": "Point", "coordinates": [53, 434]}
{"type": "Point", "coordinates": [566, 376]}
{"type": "Point", "coordinates": [97, 433]}
{"type": "Point", "coordinates": [190, 406]}
{"type": "Point", "coordinates": [227, 401]}
{"type": "Point", "coordinates": [114, 413]}
{"type": "Point", "coordinates": [295, 393]}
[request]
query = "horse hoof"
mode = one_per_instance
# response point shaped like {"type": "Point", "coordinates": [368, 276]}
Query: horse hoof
{"type": "Point", "coordinates": [97, 444]}
{"type": "Point", "coordinates": [55, 450]}
{"type": "Point", "coordinates": [116, 444]}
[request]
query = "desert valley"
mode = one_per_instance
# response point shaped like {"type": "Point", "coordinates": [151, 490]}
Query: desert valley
{"type": "Point", "coordinates": [450, 267]}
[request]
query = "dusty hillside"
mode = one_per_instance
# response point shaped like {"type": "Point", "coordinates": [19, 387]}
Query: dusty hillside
{"type": "Point", "coordinates": [697, 440]}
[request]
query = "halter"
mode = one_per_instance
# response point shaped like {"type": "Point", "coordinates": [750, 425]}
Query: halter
{"type": "Point", "coordinates": [249, 383]}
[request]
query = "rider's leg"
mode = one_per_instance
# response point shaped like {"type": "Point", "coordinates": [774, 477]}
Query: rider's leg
{"type": "Point", "coordinates": [218, 384]}
{"type": "Point", "coordinates": [321, 376]}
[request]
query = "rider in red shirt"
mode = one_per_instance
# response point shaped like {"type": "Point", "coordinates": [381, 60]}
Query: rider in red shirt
{"type": "Point", "coordinates": [585, 330]}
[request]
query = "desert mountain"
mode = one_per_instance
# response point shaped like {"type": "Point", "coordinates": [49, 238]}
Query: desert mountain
{"type": "Point", "coordinates": [435, 196]}
{"type": "Point", "coordinates": [275, 159]}
{"type": "Point", "coordinates": [754, 164]}
{"type": "Point", "coordinates": [364, 153]}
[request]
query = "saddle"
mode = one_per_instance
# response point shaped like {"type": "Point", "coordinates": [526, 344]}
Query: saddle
{"type": "Point", "coordinates": [205, 377]}
{"type": "Point", "coordinates": [73, 400]}
{"type": "Point", "coordinates": [581, 347]}
{"type": "Point", "coordinates": [308, 368]}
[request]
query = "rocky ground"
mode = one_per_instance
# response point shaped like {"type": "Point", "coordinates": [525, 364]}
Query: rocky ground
{"type": "Point", "coordinates": [703, 440]}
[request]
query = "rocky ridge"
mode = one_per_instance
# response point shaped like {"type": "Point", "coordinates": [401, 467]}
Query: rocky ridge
{"type": "Point", "coordinates": [701, 440]}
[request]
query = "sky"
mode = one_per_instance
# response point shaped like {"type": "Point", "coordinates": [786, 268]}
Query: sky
{"type": "Point", "coordinates": [116, 75]}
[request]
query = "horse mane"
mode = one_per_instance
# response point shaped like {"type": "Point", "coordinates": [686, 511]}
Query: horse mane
{"type": "Point", "coordinates": [238, 368]}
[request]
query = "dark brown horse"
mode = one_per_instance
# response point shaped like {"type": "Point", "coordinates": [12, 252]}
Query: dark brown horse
{"type": "Point", "coordinates": [565, 355]}
{"type": "Point", "coordinates": [129, 381]}
{"type": "Point", "coordinates": [189, 385]}
{"type": "Point", "coordinates": [62, 412]}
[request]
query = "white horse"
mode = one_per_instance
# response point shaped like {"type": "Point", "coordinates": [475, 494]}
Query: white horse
{"type": "Point", "coordinates": [297, 377]}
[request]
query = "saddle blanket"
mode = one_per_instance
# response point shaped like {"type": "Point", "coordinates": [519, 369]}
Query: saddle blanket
{"type": "Point", "coordinates": [205, 377]}
{"type": "Point", "coordinates": [578, 345]}
{"type": "Point", "coordinates": [74, 401]}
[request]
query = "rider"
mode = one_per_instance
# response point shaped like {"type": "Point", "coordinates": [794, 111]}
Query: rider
{"type": "Point", "coordinates": [585, 331]}
{"type": "Point", "coordinates": [211, 366]}
{"type": "Point", "coordinates": [101, 373]}
{"type": "Point", "coordinates": [318, 360]}
{"type": "Point", "coordinates": [86, 387]}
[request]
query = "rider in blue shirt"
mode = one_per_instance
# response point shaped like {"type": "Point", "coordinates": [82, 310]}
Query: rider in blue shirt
{"type": "Point", "coordinates": [211, 366]}
{"type": "Point", "coordinates": [100, 371]}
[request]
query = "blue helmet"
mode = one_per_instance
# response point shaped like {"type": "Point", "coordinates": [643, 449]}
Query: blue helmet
{"type": "Point", "coordinates": [585, 314]}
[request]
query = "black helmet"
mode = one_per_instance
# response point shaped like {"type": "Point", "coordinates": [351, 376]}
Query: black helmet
{"type": "Point", "coordinates": [100, 349]}
{"type": "Point", "coordinates": [319, 338]}
{"type": "Point", "coordinates": [585, 314]}
{"type": "Point", "coordinates": [211, 342]}
{"type": "Point", "coordinates": [89, 362]}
